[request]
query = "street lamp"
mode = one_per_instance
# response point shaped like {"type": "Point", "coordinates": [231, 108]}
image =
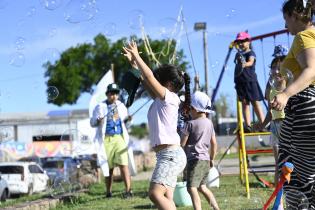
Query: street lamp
{"type": "Point", "coordinates": [198, 27]}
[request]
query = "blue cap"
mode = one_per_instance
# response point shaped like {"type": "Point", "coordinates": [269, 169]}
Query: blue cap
{"type": "Point", "coordinates": [280, 50]}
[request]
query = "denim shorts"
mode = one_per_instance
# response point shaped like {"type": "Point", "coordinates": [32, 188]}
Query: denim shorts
{"type": "Point", "coordinates": [275, 127]}
{"type": "Point", "coordinates": [170, 162]}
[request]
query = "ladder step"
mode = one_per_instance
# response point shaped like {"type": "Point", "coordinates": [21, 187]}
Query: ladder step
{"type": "Point", "coordinates": [262, 166]}
{"type": "Point", "coordinates": [257, 151]}
{"type": "Point", "coordinates": [257, 134]}
{"type": "Point", "coordinates": [261, 170]}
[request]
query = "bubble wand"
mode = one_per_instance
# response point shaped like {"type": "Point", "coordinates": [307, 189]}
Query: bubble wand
{"type": "Point", "coordinates": [286, 170]}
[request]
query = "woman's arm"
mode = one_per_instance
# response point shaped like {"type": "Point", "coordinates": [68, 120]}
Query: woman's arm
{"type": "Point", "coordinates": [306, 60]}
{"type": "Point", "coordinates": [148, 77]}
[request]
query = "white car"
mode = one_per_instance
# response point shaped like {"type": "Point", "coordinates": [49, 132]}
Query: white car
{"type": "Point", "coordinates": [4, 190]}
{"type": "Point", "coordinates": [24, 177]}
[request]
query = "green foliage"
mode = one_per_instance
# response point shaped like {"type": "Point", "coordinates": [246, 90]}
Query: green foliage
{"type": "Point", "coordinates": [139, 131]}
{"type": "Point", "coordinates": [223, 107]}
{"type": "Point", "coordinates": [81, 67]}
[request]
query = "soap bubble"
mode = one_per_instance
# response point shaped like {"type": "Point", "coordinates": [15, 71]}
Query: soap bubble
{"type": "Point", "coordinates": [52, 93]}
{"type": "Point", "coordinates": [110, 29]}
{"type": "Point", "coordinates": [80, 10]}
{"type": "Point", "coordinates": [295, 199]}
{"type": "Point", "coordinates": [168, 27]}
{"type": "Point", "coordinates": [230, 14]}
{"type": "Point", "coordinates": [136, 19]}
{"type": "Point", "coordinates": [6, 134]}
{"type": "Point", "coordinates": [52, 32]}
{"type": "Point", "coordinates": [50, 4]}
{"type": "Point", "coordinates": [51, 55]}
{"type": "Point", "coordinates": [20, 43]}
{"type": "Point", "coordinates": [31, 12]}
{"type": "Point", "coordinates": [17, 59]}
{"type": "Point", "coordinates": [280, 79]}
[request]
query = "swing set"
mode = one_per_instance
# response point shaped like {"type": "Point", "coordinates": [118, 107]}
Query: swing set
{"type": "Point", "coordinates": [244, 163]}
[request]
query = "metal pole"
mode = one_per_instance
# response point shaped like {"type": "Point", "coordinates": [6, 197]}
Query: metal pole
{"type": "Point", "coordinates": [205, 53]}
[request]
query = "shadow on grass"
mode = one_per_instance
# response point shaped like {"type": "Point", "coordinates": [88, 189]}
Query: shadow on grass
{"type": "Point", "coordinates": [141, 194]}
{"type": "Point", "coordinates": [148, 206]}
{"type": "Point", "coordinates": [257, 185]}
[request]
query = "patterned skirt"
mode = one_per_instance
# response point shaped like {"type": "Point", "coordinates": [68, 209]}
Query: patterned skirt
{"type": "Point", "coordinates": [297, 145]}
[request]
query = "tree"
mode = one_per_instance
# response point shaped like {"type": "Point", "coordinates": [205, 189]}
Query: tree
{"type": "Point", "coordinates": [222, 106]}
{"type": "Point", "coordinates": [81, 67]}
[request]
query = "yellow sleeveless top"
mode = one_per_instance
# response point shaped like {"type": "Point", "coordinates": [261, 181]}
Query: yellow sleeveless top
{"type": "Point", "coordinates": [303, 40]}
{"type": "Point", "coordinates": [274, 113]}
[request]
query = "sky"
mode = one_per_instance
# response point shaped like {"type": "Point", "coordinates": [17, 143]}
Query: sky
{"type": "Point", "coordinates": [35, 31]}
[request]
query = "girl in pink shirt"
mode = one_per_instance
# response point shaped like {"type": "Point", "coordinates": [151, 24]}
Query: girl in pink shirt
{"type": "Point", "coordinates": [163, 87]}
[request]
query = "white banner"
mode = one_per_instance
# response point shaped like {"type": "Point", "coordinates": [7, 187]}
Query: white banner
{"type": "Point", "coordinates": [99, 93]}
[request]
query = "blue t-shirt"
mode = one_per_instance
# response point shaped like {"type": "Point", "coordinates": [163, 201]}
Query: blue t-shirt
{"type": "Point", "coordinates": [246, 74]}
{"type": "Point", "coordinates": [113, 126]}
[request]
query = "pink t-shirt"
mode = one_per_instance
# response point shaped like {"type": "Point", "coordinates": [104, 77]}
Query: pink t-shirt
{"type": "Point", "coordinates": [162, 119]}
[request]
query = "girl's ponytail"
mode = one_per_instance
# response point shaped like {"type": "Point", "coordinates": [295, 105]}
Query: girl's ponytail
{"type": "Point", "coordinates": [186, 105]}
{"type": "Point", "coordinates": [187, 90]}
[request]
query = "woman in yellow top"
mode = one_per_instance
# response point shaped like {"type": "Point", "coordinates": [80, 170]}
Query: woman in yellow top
{"type": "Point", "coordinates": [297, 136]}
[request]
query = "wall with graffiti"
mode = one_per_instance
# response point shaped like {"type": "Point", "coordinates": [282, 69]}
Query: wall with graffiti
{"type": "Point", "coordinates": [16, 150]}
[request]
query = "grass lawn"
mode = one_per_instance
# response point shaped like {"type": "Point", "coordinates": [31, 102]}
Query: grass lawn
{"type": "Point", "coordinates": [230, 195]}
{"type": "Point", "coordinates": [21, 199]}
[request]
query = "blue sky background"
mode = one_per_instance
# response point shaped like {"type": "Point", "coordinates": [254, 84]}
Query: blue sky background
{"type": "Point", "coordinates": [34, 31]}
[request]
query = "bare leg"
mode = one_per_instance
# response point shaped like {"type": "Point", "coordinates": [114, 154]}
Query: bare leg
{"type": "Point", "coordinates": [258, 110]}
{"type": "Point", "coordinates": [157, 194]}
{"type": "Point", "coordinates": [275, 154]}
{"type": "Point", "coordinates": [169, 193]}
{"type": "Point", "coordinates": [209, 196]}
{"type": "Point", "coordinates": [246, 112]}
{"type": "Point", "coordinates": [126, 177]}
{"type": "Point", "coordinates": [194, 197]}
{"type": "Point", "coordinates": [109, 181]}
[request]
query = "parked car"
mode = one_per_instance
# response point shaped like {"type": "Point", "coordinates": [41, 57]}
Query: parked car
{"type": "Point", "coordinates": [24, 177]}
{"type": "Point", "coordinates": [4, 190]}
{"type": "Point", "coordinates": [60, 167]}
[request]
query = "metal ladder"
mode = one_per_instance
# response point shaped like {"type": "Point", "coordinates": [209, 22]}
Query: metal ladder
{"type": "Point", "coordinates": [243, 165]}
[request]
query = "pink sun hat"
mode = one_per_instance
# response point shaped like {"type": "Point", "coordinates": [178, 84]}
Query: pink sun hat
{"type": "Point", "coordinates": [242, 36]}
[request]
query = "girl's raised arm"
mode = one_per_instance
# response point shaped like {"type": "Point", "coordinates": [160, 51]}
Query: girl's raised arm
{"type": "Point", "coordinates": [147, 74]}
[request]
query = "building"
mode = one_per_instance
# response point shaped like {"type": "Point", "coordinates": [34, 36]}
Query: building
{"type": "Point", "coordinates": [53, 133]}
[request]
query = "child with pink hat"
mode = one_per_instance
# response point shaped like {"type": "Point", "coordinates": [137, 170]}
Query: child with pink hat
{"type": "Point", "coordinates": [245, 79]}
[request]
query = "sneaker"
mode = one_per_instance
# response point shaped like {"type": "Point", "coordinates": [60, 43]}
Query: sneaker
{"type": "Point", "coordinates": [263, 130]}
{"type": "Point", "coordinates": [128, 194]}
{"type": "Point", "coordinates": [247, 129]}
{"type": "Point", "coordinates": [109, 195]}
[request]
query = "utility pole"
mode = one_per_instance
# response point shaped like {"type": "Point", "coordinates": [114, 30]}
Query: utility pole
{"type": "Point", "coordinates": [203, 26]}
{"type": "Point", "coordinates": [205, 54]}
